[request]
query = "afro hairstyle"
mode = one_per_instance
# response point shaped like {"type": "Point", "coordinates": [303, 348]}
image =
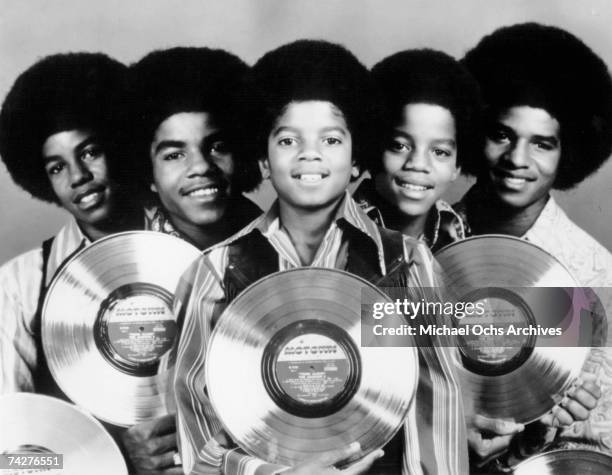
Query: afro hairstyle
{"type": "Point", "coordinates": [306, 70]}
{"type": "Point", "coordinates": [429, 77]}
{"type": "Point", "coordinates": [548, 68]}
{"type": "Point", "coordinates": [184, 79]}
{"type": "Point", "coordinates": [58, 93]}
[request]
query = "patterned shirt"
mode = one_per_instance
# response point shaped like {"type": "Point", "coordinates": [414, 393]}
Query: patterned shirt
{"type": "Point", "coordinates": [207, 449]}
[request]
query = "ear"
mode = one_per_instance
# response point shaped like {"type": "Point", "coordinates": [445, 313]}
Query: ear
{"type": "Point", "coordinates": [264, 168]}
{"type": "Point", "coordinates": [153, 188]}
{"type": "Point", "coordinates": [355, 172]}
{"type": "Point", "coordinates": [456, 173]}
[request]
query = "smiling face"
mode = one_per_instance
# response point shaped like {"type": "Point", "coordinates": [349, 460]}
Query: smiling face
{"type": "Point", "coordinates": [192, 169]}
{"type": "Point", "coordinates": [419, 160]}
{"type": "Point", "coordinates": [76, 166]}
{"type": "Point", "coordinates": [523, 149]}
{"type": "Point", "coordinates": [309, 155]}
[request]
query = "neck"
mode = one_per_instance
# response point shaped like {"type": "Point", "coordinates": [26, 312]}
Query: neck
{"type": "Point", "coordinates": [395, 219]}
{"type": "Point", "coordinates": [204, 236]}
{"type": "Point", "coordinates": [306, 227]}
{"type": "Point", "coordinates": [494, 217]}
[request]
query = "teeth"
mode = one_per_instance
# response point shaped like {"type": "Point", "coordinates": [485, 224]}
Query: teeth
{"type": "Point", "coordinates": [515, 181]}
{"type": "Point", "coordinates": [89, 198]}
{"type": "Point", "coordinates": [311, 177]}
{"type": "Point", "coordinates": [204, 192]}
{"type": "Point", "coordinates": [410, 186]}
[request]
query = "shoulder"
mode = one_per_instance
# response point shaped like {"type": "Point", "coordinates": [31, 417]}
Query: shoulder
{"type": "Point", "coordinates": [23, 266]}
{"type": "Point", "coordinates": [587, 259]}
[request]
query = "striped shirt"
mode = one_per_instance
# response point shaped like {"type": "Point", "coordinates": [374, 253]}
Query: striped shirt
{"type": "Point", "coordinates": [435, 434]}
{"type": "Point", "coordinates": [20, 286]}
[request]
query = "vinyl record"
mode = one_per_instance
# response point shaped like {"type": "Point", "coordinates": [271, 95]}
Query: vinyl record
{"type": "Point", "coordinates": [520, 285]}
{"type": "Point", "coordinates": [108, 326]}
{"type": "Point", "coordinates": [566, 462]}
{"type": "Point", "coordinates": [37, 424]}
{"type": "Point", "coordinates": [287, 376]}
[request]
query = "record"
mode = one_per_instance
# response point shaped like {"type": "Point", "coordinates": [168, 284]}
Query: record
{"type": "Point", "coordinates": [566, 462]}
{"type": "Point", "coordinates": [287, 376]}
{"type": "Point", "coordinates": [519, 285]}
{"type": "Point", "coordinates": [37, 424]}
{"type": "Point", "coordinates": [108, 326]}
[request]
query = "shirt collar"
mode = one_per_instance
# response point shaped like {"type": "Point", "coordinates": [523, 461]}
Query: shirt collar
{"type": "Point", "coordinates": [546, 224]}
{"type": "Point", "coordinates": [441, 214]}
{"type": "Point", "coordinates": [348, 214]}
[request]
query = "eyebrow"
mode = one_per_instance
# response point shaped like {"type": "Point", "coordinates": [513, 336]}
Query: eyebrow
{"type": "Point", "coordinates": [401, 133]}
{"type": "Point", "coordinates": [294, 130]}
{"type": "Point", "coordinates": [547, 138]}
{"type": "Point", "coordinates": [168, 144]}
{"type": "Point", "coordinates": [78, 148]}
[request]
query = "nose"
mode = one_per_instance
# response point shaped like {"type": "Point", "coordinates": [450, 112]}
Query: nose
{"type": "Point", "coordinates": [79, 174]}
{"type": "Point", "coordinates": [199, 163]}
{"type": "Point", "coordinates": [310, 151]}
{"type": "Point", "coordinates": [518, 155]}
{"type": "Point", "coordinates": [417, 160]}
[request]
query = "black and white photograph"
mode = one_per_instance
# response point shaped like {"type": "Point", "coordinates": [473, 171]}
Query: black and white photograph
{"type": "Point", "coordinates": [305, 237]}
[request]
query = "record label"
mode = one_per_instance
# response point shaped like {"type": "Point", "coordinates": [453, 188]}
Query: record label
{"type": "Point", "coordinates": [488, 347]}
{"type": "Point", "coordinates": [136, 327]}
{"type": "Point", "coordinates": [312, 368]}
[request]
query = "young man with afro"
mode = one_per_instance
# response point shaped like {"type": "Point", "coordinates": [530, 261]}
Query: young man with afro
{"type": "Point", "coordinates": [308, 126]}
{"type": "Point", "coordinates": [58, 139]}
{"type": "Point", "coordinates": [548, 101]}
{"type": "Point", "coordinates": [428, 130]}
{"type": "Point", "coordinates": [182, 138]}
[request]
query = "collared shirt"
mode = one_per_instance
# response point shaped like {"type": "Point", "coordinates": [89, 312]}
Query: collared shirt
{"type": "Point", "coordinates": [20, 286]}
{"type": "Point", "coordinates": [206, 449]}
{"type": "Point", "coordinates": [443, 225]}
{"type": "Point", "coordinates": [591, 265]}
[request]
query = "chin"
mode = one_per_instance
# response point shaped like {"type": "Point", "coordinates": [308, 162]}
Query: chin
{"type": "Point", "coordinates": [208, 217]}
{"type": "Point", "coordinates": [413, 210]}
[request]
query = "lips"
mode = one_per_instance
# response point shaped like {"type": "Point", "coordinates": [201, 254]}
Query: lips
{"type": "Point", "coordinates": [512, 180]}
{"type": "Point", "coordinates": [310, 176]}
{"type": "Point", "coordinates": [90, 198]}
{"type": "Point", "coordinates": [207, 191]}
{"type": "Point", "coordinates": [412, 185]}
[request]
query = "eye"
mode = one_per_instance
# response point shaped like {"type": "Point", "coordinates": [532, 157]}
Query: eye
{"type": "Point", "coordinates": [440, 152]}
{"type": "Point", "coordinates": [91, 152]}
{"type": "Point", "coordinates": [287, 141]}
{"type": "Point", "coordinates": [55, 168]}
{"type": "Point", "coordinates": [332, 141]}
{"type": "Point", "coordinates": [544, 146]}
{"type": "Point", "coordinates": [399, 146]}
{"type": "Point", "coordinates": [173, 156]}
{"type": "Point", "coordinates": [219, 148]}
{"type": "Point", "coordinates": [499, 136]}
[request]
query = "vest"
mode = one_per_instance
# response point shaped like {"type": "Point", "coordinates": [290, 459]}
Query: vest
{"type": "Point", "coordinates": [252, 257]}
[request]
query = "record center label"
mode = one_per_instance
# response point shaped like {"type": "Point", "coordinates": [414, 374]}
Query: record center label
{"type": "Point", "coordinates": [141, 328]}
{"type": "Point", "coordinates": [135, 327]}
{"type": "Point", "coordinates": [312, 368]}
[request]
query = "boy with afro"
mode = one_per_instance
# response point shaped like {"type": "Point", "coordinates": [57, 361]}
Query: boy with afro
{"type": "Point", "coordinates": [548, 100]}
{"type": "Point", "coordinates": [59, 141]}
{"type": "Point", "coordinates": [428, 131]}
{"type": "Point", "coordinates": [309, 129]}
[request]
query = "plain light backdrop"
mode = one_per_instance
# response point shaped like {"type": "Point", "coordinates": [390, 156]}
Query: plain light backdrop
{"type": "Point", "coordinates": [372, 29]}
